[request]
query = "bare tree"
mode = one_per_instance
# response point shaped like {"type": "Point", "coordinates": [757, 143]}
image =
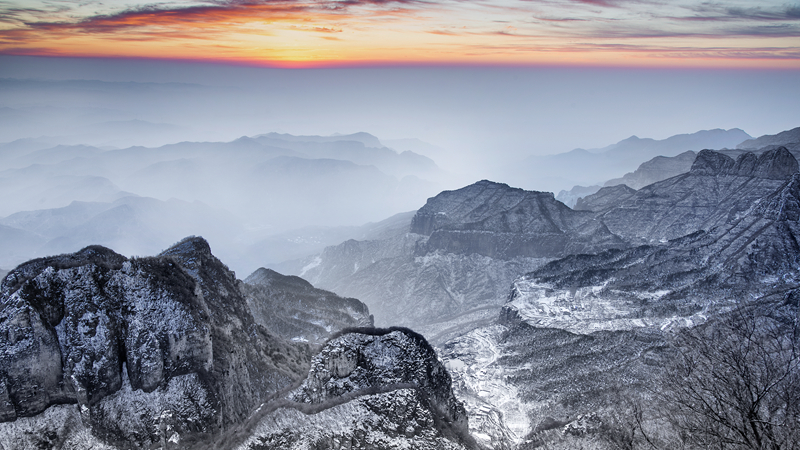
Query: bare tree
{"type": "Point", "coordinates": [735, 382]}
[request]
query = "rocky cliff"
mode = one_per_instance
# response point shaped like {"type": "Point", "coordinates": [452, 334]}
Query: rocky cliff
{"type": "Point", "coordinates": [368, 388]}
{"type": "Point", "coordinates": [106, 350]}
{"type": "Point", "coordinates": [495, 220]}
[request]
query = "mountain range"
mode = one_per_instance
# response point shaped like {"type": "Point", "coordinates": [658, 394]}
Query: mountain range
{"type": "Point", "coordinates": [595, 166]}
{"type": "Point", "coordinates": [535, 324]}
{"type": "Point", "coordinates": [546, 361]}
{"type": "Point", "coordinates": [139, 200]}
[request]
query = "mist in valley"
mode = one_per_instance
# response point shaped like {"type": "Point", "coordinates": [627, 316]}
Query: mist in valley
{"type": "Point", "coordinates": [273, 165]}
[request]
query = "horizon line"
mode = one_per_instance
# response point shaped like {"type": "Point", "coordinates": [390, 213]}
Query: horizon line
{"type": "Point", "coordinates": [721, 64]}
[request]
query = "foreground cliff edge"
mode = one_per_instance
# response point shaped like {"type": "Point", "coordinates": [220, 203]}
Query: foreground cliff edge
{"type": "Point", "coordinates": [101, 351]}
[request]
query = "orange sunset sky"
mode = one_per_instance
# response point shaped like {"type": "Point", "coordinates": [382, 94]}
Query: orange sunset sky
{"type": "Point", "coordinates": [303, 33]}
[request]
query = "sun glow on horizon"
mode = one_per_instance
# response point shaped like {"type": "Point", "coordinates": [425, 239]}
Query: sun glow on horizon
{"type": "Point", "coordinates": [408, 32]}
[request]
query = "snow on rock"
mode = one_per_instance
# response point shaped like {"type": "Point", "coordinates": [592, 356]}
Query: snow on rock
{"type": "Point", "coordinates": [127, 340]}
{"type": "Point", "coordinates": [370, 358]}
{"type": "Point", "coordinates": [396, 420]}
{"type": "Point", "coordinates": [498, 418]}
{"type": "Point", "coordinates": [368, 388]}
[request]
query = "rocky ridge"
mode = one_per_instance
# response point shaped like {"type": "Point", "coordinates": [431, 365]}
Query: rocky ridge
{"type": "Point", "coordinates": [783, 138]}
{"type": "Point", "coordinates": [711, 194]}
{"type": "Point", "coordinates": [495, 220]}
{"type": "Point", "coordinates": [750, 251]}
{"type": "Point", "coordinates": [106, 350]}
{"type": "Point", "coordinates": [368, 388]}
{"type": "Point", "coordinates": [655, 170]}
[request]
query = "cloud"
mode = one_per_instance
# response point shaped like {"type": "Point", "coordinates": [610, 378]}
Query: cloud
{"type": "Point", "coordinates": [153, 15]}
{"type": "Point", "coordinates": [444, 32]}
{"type": "Point", "coordinates": [717, 13]}
{"type": "Point", "coordinates": [209, 15]}
{"type": "Point", "coordinates": [524, 24]}
{"type": "Point", "coordinates": [648, 51]}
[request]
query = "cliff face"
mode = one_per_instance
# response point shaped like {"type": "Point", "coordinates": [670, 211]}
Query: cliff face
{"type": "Point", "coordinates": [129, 340]}
{"type": "Point", "coordinates": [104, 311]}
{"type": "Point", "coordinates": [495, 220]}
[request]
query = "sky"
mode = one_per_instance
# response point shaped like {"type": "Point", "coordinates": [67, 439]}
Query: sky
{"type": "Point", "coordinates": [490, 82]}
{"type": "Point", "coordinates": [330, 33]}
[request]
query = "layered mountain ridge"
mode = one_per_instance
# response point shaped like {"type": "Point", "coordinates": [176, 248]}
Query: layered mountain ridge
{"type": "Point", "coordinates": [464, 246]}
{"type": "Point", "coordinates": [458, 255]}
{"type": "Point", "coordinates": [687, 250]}
{"type": "Point", "coordinates": [716, 188]}
{"type": "Point", "coordinates": [494, 220]}
{"type": "Point", "coordinates": [137, 200]}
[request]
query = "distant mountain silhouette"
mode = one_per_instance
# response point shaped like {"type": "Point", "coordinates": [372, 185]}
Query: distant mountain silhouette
{"type": "Point", "coordinates": [587, 167]}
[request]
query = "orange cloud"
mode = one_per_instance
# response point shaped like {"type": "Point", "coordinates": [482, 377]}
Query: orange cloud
{"type": "Point", "coordinates": [377, 32]}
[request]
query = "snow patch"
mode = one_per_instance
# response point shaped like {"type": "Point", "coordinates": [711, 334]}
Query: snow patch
{"type": "Point", "coordinates": [314, 263]}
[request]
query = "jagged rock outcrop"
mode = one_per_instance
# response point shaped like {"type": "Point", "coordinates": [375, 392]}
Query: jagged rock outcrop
{"type": "Point", "coordinates": [369, 388]}
{"type": "Point", "coordinates": [775, 164]}
{"type": "Point", "coordinates": [130, 340]}
{"type": "Point", "coordinates": [714, 193]}
{"type": "Point", "coordinates": [291, 307]}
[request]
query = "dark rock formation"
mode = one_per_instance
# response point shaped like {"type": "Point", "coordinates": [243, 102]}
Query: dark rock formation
{"type": "Point", "coordinates": [371, 358]}
{"type": "Point", "coordinates": [128, 339]}
{"type": "Point", "coordinates": [369, 388]}
{"type": "Point", "coordinates": [775, 164]}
